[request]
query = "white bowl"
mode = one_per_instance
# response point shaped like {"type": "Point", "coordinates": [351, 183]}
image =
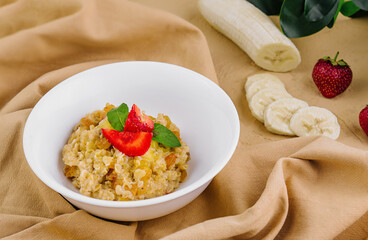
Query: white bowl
{"type": "Point", "coordinates": [206, 116]}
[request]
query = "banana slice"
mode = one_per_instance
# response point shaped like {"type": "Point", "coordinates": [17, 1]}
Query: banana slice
{"type": "Point", "coordinates": [277, 115]}
{"type": "Point", "coordinates": [263, 98]}
{"type": "Point", "coordinates": [312, 121]}
{"type": "Point", "coordinates": [256, 77]}
{"type": "Point", "coordinates": [262, 84]}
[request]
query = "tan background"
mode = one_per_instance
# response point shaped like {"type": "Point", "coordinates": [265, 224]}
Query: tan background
{"type": "Point", "coordinates": [348, 36]}
{"type": "Point", "coordinates": [273, 187]}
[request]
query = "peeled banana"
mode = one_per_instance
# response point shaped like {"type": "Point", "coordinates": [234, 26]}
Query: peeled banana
{"type": "Point", "coordinates": [311, 121]}
{"type": "Point", "coordinates": [253, 32]}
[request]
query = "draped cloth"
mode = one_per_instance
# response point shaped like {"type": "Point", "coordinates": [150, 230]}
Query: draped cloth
{"type": "Point", "coordinates": [274, 187]}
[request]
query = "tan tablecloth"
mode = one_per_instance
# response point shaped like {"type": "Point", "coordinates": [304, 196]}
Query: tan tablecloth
{"type": "Point", "coordinates": [273, 187]}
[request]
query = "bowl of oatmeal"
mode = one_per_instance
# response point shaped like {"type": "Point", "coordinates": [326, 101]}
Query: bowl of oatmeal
{"type": "Point", "coordinates": [146, 167]}
{"type": "Point", "coordinates": [67, 148]}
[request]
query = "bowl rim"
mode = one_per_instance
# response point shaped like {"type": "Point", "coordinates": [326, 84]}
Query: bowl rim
{"type": "Point", "coordinates": [76, 196]}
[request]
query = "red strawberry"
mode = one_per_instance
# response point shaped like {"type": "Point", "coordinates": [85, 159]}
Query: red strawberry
{"type": "Point", "coordinates": [138, 122]}
{"type": "Point", "coordinates": [363, 119]}
{"type": "Point", "coordinates": [332, 77]}
{"type": "Point", "coordinates": [129, 143]}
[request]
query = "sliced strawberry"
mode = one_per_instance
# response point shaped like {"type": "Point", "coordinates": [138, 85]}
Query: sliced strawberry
{"type": "Point", "coordinates": [130, 143]}
{"type": "Point", "coordinates": [138, 122]}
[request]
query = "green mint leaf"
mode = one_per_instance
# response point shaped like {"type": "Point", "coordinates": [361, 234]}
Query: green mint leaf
{"type": "Point", "coordinates": [163, 135]}
{"type": "Point", "coordinates": [118, 116]}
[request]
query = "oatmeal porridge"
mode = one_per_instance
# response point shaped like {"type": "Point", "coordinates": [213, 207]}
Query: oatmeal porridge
{"type": "Point", "coordinates": [100, 170]}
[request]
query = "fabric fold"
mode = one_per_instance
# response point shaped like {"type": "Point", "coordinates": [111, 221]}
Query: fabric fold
{"type": "Point", "coordinates": [96, 31]}
{"type": "Point", "coordinates": [309, 188]}
{"type": "Point", "coordinates": [76, 225]}
{"type": "Point", "coordinates": [45, 42]}
{"type": "Point", "coordinates": [274, 187]}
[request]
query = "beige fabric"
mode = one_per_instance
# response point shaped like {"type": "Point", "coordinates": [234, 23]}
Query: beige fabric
{"type": "Point", "coordinates": [274, 187]}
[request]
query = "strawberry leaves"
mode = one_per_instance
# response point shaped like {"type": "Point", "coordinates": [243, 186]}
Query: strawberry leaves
{"type": "Point", "coordinates": [340, 62]}
{"type": "Point", "coordinates": [117, 117]}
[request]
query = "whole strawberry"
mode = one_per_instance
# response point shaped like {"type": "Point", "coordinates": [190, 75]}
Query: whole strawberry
{"type": "Point", "coordinates": [332, 77]}
{"type": "Point", "coordinates": [363, 119]}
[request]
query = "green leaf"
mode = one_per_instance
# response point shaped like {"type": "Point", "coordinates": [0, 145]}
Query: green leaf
{"type": "Point", "coordinates": [118, 116]}
{"type": "Point", "coordinates": [349, 9]}
{"type": "Point", "coordinates": [360, 13]}
{"type": "Point", "coordinates": [299, 18]}
{"type": "Point", "coordinates": [163, 135]}
{"type": "Point", "coordinates": [362, 4]}
{"type": "Point", "coordinates": [315, 10]}
{"type": "Point", "coordinates": [269, 7]}
{"type": "Point", "coordinates": [330, 25]}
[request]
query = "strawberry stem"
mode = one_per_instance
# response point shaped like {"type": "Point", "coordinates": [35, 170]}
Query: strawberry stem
{"type": "Point", "coordinates": [336, 56]}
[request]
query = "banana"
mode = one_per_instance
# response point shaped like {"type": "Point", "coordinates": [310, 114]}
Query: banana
{"type": "Point", "coordinates": [263, 98]}
{"type": "Point", "coordinates": [256, 77]}
{"type": "Point", "coordinates": [312, 121]}
{"type": "Point", "coordinates": [262, 84]}
{"type": "Point", "coordinates": [253, 32]}
{"type": "Point", "coordinates": [277, 115]}
{"type": "Point", "coordinates": [270, 103]}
